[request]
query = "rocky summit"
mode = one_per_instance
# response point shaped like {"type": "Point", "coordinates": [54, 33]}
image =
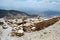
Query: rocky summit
{"type": "Point", "coordinates": [28, 24]}
{"type": "Point", "coordinates": [15, 24]}
{"type": "Point", "coordinates": [25, 26]}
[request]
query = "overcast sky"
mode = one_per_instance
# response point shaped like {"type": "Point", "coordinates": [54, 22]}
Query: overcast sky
{"type": "Point", "coordinates": [30, 4]}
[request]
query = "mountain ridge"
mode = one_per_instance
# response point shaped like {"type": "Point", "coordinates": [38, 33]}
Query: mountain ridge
{"type": "Point", "coordinates": [12, 13]}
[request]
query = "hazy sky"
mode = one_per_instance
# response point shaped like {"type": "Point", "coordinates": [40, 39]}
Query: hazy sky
{"type": "Point", "coordinates": [30, 4]}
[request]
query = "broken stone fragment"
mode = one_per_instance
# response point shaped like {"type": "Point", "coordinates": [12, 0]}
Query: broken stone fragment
{"type": "Point", "coordinates": [20, 31]}
{"type": "Point", "coordinates": [13, 25]}
{"type": "Point", "coordinates": [19, 21]}
{"type": "Point", "coordinates": [33, 28]}
{"type": "Point", "coordinates": [27, 28]}
{"type": "Point", "coordinates": [20, 27]}
{"type": "Point", "coordinates": [27, 24]}
{"type": "Point", "coordinates": [17, 31]}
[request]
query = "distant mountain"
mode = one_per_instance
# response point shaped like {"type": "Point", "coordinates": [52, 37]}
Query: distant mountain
{"type": "Point", "coordinates": [45, 13]}
{"type": "Point", "coordinates": [12, 13]}
{"type": "Point", "coordinates": [51, 13]}
{"type": "Point", "coordinates": [9, 13]}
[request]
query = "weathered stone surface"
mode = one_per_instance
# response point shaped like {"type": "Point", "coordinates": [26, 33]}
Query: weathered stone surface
{"type": "Point", "coordinates": [27, 28]}
{"type": "Point", "coordinates": [30, 24]}
{"type": "Point", "coordinates": [46, 23]}
{"type": "Point", "coordinates": [1, 30]}
{"type": "Point", "coordinates": [17, 31]}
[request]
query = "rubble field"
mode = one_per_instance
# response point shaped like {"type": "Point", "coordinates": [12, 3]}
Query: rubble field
{"type": "Point", "coordinates": [26, 24]}
{"type": "Point", "coordinates": [22, 26]}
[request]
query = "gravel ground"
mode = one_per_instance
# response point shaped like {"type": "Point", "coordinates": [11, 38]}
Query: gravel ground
{"type": "Point", "coordinates": [50, 33]}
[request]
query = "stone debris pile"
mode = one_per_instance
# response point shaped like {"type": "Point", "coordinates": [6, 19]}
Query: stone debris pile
{"type": "Point", "coordinates": [19, 26]}
{"type": "Point", "coordinates": [17, 31]}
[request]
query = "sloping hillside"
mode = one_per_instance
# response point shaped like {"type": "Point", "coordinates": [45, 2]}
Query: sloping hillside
{"type": "Point", "coordinates": [12, 13]}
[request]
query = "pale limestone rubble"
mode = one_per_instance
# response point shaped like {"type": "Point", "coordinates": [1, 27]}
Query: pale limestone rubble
{"type": "Point", "coordinates": [17, 31]}
{"type": "Point", "coordinates": [19, 26]}
{"type": "Point", "coordinates": [1, 30]}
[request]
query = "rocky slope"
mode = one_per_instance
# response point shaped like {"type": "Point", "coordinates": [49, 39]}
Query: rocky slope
{"type": "Point", "coordinates": [52, 32]}
{"type": "Point", "coordinates": [19, 26]}
{"type": "Point", "coordinates": [12, 13]}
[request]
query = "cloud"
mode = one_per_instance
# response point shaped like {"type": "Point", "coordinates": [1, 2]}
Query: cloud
{"type": "Point", "coordinates": [31, 4]}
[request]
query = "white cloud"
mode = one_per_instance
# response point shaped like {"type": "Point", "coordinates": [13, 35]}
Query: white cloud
{"type": "Point", "coordinates": [31, 4]}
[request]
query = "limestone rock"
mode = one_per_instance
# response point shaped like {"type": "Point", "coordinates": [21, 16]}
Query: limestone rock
{"type": "Point", "coordinates": [1, 30]}
{"type": "Point", "coordinates": [17, 31]}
